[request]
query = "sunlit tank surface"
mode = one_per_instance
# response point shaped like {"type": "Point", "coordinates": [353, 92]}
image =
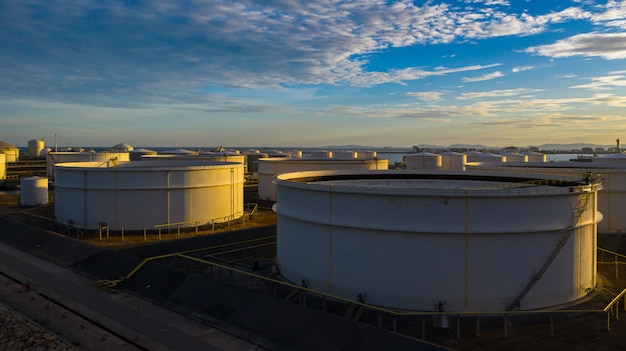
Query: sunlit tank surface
{"type": "Point", "coordinates": [33, 191]}
{"type": "Point", "coordinates": [35, 146]}
{"type": "Point", "coordinates": [3, 166]}
{"type": "Point", "coordinates": [611, 171]}
{"type": "Point", "coordinates": [12, 153]}
{"type": "Point", "coordinates": [413, 239]}
{"type": "Point", "coordinates": [138, 194]}
{"type": "Point", "coordinates": [423, 160]}
{"type": "Point", "coordinates": [52, 158]}
{"type": "Point", "coordinates": [453, 161]}
{"type": "Point", "coordinates": [270, 167]}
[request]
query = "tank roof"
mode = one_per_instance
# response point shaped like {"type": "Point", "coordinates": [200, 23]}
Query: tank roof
{"type": "Point", "coordinates": [4, 145]}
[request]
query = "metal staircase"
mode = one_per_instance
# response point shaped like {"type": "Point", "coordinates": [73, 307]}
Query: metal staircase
{"type": "Point", "coordinates": [581, 206]}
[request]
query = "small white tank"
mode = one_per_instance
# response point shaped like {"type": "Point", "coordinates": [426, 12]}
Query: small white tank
{"type": "Point", "coordinates": [453, 161]}
{"type": "Point", "coordinates": [344, 154]}
{"type": "Point", "coordinates": [514, 157]}
{"type": "Point", "coordinates": [423, 160]}
{"type": "Point", "coordinates": [34, 191]}
{"type": "Point", "coordinates": [138, 154]}
{"type": "Point", "coordinates": [535, 156]}
{"type": "Point", "coordinates": [321, 154]}
{"type": "Point", "coordinates": [294, 153]}
{"type": "Point", "coordinates": [366, 154]}
{"type": "Point", "coordinates": [35, 146]}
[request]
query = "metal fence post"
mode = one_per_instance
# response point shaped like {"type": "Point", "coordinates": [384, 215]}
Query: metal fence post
{"type": "Point", "coordinates": [477, 326]}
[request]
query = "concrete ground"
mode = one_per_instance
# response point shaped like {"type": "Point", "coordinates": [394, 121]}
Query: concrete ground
{"type": "Point", "coordinates": [151, 327]}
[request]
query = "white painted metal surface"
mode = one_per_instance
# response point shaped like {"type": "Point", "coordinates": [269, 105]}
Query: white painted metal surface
{"type": "Point", "coordinates": [535, 156]}
{"type": "Point", "coordinates": [122, 147]}
{"type": "Point", "coordinates": [611, 199]}
{"type": "Point", "coordinates": [142, 194]}
{"type": "Point", "coordinates": [423, 160]}
{"type": "Point", "coordinates": [35, 146]}
{"type": "Point", "coordinates": [268, 168]}
{"type": "Point", "coordinates": [33, 191]}
{"type": "Point", "coordinates": [409, 240]}
{"type": "Point", "coordinates": [514, 157]}
{"type": "Point", "coordinates": [344, 154]}
{"type": "Point", "coordinates": [52, 158]}
{"type": "Point", "coordinates": [3, 166]}
{"type": "Point", "coordinates": [453, 161]}
{"type": "Point", "coordinates": [12, 153]}
{"type": "Point", "coordinates": [321, 154]}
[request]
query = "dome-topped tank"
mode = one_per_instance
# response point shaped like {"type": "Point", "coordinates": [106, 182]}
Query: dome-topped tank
{"type": "Point", "coordinates": [122, 147]}
{"type": "Point", "coordinates": [12, 152]}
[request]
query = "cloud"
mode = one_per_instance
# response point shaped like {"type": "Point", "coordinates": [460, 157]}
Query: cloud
{"type": "Point", "coordinates": [518, 69]}
{"type": "Point", "coordinates": [610, 46]}
{"type": "Point", "coordinates": [497, 93]}
{"type": "Point", "coordinates": [134, 53]}
{"type": "Point", "coordinates": [603, 83]}
{"type": "Point", "coordinates": [484, 77]}
{"type": "Point", "coordinates": [427, 95]}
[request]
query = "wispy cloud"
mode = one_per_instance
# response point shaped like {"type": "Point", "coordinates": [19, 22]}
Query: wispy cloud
{"type": "Point", "coordinates": [488, 76]}
{"type": "Point", "coordinates": [603, 83]}
{"type": "Point", "coordinates": [427, 95]}
{"type": "Point", "coordinates": [518, 69]}
{"type": "Point", "coordinates": [497, 93]}
{"type": "Point", "coordinates": [610, 46]}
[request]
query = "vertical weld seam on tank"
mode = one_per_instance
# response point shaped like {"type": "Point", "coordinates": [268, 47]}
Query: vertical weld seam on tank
{"type": "Point", "coordinates": [330, 237]}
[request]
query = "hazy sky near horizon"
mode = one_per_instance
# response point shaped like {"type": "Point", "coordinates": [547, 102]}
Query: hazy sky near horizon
{"type": "Point", "coordinates": [312, 72]}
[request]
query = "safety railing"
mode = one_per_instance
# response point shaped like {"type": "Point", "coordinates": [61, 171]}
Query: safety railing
{"type": "Point", "coordinates": [356, 306]}
{"type": "Point", "coordinates": [104, 230]}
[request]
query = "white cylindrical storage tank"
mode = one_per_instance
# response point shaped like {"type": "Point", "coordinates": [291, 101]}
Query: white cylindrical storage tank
{"type": "Point", "coordinates": [35, 146]}
{"type": "Point", "coordinates": [489, 157]}
{"type": "Point", "coordinates": [423, 160]}
{"type": "Point", "coordinates": [138, 154]}
{"type": "Point", "coordinates": [272, 166]}
{"type": "Point", "coordinates": [514, 157]}
{"type": "Point", "coordinates": [33, 191]}
{"type": "Point", "coordinates": [149, 194]}
{"type": "Point", "coordinates": [610, 158]}
{"type": "Point", "coordinates": [3, 166]}
{"type": "Point", "coordinates": [253, 160]}
{"type": "Point", "coordinates": [12, 153]}
{"type": "Point", "coordinates": [611, 199]}
{"type": "Point", "coordinates": [52, 158]}
{"type": "Point", "coordinates": [473, 156]}
{"type": "Point", "coordinates": [321, 154]}
{"type": "Point", "coordinates": [366, 154]}
{"type": "Point", "coordinates": [45, 152]}
{"type": "Point", "coordinates": [412, 239]}
{"type": "Point", "coordinates": [179, 152]}
{"type": "Point", "coordinates": [535, 156]}
{"type": "Point", "coordinates": [344, 154]}
{"type": "Point", "coordinates": [122, 147]}
{"type": "Point", "coordinates": [293, 153]}
{"type": "Point", "coordinates": [453, 161]}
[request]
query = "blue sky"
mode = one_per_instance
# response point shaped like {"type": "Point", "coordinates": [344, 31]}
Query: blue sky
{"type": "Point", "coordinates": [312, 72]}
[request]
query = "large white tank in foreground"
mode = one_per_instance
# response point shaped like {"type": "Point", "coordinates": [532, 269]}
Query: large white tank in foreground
{"type": "Point", "coordinates": [610, 170]}
{"type": "Point", "coordinates": [52, 158]}
{"type": "Point", "coordinates": [142, 194]}
{"type": "Point", "coordinates": [270, 167]}
{"type": "Point", "coordinates": [413, 239]}
{"type": "Point", "coordinates": [3, 166]}
{"type": "Point", "coordinates": [33, 191]}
